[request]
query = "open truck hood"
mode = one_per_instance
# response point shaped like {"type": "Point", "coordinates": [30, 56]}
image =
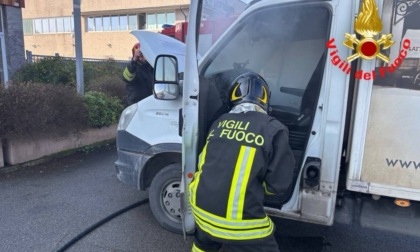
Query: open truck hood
{"type": "Point", "coordinates": [153, 44]}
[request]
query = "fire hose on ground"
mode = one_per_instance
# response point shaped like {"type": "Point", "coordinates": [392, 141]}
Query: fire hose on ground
{"type": "Point", "coordinates": [99, 223]}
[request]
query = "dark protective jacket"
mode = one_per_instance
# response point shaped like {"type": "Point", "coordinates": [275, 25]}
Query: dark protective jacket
{"type": "Point", "coordinates": [246, 156]}
{"type": "Point", "coordinates": [139, 79]}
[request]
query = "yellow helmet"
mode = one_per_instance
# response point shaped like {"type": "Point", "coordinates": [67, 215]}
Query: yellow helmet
{"type": "Point", "coordinates": [136, 47]}
{"type": "Point", "coordinates": [250, 87]}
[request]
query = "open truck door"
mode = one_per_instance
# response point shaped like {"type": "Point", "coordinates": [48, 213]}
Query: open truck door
{"type": "Point", "coordinates": [190, 114]}
{"type": "Point", "coordinates": [286, 43]}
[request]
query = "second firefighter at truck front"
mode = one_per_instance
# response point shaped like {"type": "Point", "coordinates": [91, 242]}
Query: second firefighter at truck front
{"type": "Point", "coordinates": [138, 76]}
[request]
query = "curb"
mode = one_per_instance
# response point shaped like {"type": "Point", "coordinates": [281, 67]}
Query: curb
{"type": "Point", "coordinates": [18, 153]}
{"type": "Point", "coordinates": [13, 168]}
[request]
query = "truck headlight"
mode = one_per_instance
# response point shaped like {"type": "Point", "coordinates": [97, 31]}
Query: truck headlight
{"type": "Point", "coordinates": [126, 116]}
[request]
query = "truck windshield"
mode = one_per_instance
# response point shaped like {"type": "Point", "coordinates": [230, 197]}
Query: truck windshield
{"type": "Point", "coordinates": [285, 44]}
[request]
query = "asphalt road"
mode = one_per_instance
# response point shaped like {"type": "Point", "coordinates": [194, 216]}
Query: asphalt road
{"type": "Point", "coordinates": [42, 207]}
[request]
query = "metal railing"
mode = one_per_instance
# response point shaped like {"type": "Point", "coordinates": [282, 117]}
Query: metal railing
{"type": "Point", "coordinates": [31, 58]}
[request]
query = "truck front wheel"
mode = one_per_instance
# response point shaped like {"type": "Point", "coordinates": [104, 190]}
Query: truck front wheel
{"type": "Point", "coordinates": [165, 198]}
{"type": "Point", "coordinates": [417, 81]}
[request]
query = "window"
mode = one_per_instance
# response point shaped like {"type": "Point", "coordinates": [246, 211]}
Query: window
{"type": "Point", "coordinates": [90, 24]}
{"type": "Point", "coordinates": [60, 25]}
{"type": "Point", "coordinates": [45, 25]}
{"type": "Point", "coordinates": [52, 25]}
{"type": "Point", "coordinates": [274, 54]}
{"type": "Point", "coordinates": [156, 20]}
{"type": "Point", "coordinates": [67, 24]}
{"type": "Point", "coordinates": [112, 23]}
{"type": "Point", "coordinates": [98, 24]}
{"type": "Point", "coordinates": [115, 23]}
{"type": "Point", "coordinates": [170, 18]}
{"type": "Point", "coordinates": [106, 23]}
{"type": "Point", "coordinates": [151, 21]}
{"type": "Point", "coordinates": [28, 28]}
{"type": "Point", "coordinates": [38, 26]}
{"type": "Point", "coordinates": [161, 18]}
{"type": "Point", "coordinates": [285, 44]}
{"type": "Point", "coordinates": [132, 22]}
{"type": "Point", "coordinates": [48, 25]}
{"type": "Point", "coordinates": [123, 23]}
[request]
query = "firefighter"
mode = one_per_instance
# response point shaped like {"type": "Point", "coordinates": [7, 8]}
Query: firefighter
{"type": "Point", "coordinates": [246, 155]}
{"type": "Point", "coordinates": [138, 76]}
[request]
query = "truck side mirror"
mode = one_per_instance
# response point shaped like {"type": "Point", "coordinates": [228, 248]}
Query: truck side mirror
{"type": "Point", "coordinates": [166, 82]}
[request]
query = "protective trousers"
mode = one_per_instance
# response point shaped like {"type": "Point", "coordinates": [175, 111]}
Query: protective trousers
{"type": "Point", "coordinates": [204, 243]}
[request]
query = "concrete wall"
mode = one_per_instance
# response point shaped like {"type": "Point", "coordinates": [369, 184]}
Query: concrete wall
{"type": "Point", "coordinates": [41, 9]}
{"type": "Point", "coordinates": [112, 44]}
{"type": "Point", "coordinates": [18, 151]}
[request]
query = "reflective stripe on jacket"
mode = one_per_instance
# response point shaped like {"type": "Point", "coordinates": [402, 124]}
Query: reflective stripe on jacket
{"type": "Point", "coordinates": [138, 77]}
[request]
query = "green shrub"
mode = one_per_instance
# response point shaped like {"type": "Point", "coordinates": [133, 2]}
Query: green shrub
{"type": "Point", "coordinates": [57, 70]}
{"type": "Point", "coordinates": [37, 109]}
{"type": "Point", "coordinates": [53, 70]}
{"type": "Point", "coordinates": [98, 70]}
{"type": "Point", "coordinates": [113, 86]}
{"type": "Point", "coordinates": [103, 68]}
{"type": "Point", "coordinates": [28, 108]}
{"type": "Point", "coordinates": [103, 110]}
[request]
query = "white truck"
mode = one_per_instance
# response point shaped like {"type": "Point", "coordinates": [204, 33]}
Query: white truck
{"type": "Point", "coordinates": [330, 66]}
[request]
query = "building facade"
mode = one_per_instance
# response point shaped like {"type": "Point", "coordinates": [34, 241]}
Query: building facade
{"type": "Point", "coordinates": [12, 53]}
{"type": "Point", "coordinates": [106, 24]}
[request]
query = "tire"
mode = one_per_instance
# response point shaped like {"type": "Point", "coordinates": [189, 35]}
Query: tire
{"type": "Point", "coordinates": [165, 198]}
{"type": "Point", "coordinates": [416, 81]}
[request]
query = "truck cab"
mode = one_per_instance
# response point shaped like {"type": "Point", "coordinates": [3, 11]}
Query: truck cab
{"type": "Point", "coordinates": [297, 47]}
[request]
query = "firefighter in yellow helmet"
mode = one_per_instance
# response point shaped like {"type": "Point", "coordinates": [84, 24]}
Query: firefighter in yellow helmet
{"type": "Point", "coordinates": [247, 155]}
